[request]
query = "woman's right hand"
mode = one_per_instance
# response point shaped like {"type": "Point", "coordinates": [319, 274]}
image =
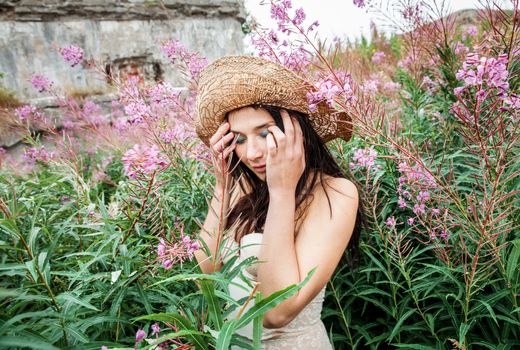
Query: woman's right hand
{"type": "Point", "coordinates": [220, 150]}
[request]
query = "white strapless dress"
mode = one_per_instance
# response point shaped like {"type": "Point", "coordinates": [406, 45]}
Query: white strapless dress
{"type": "Point", "coordinates": [305, 331]}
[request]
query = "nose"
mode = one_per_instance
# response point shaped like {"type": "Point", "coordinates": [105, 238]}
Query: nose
{"type": "Point", "coordinates": [254, 151]}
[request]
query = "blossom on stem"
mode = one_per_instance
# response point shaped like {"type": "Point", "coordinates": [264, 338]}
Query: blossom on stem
{"type": "Point", "coordinates": [72, 54]}
{"type": "Point", "coordinates": [156, 329]}
{"type": "Point", "coordinates": [27, 112]}
{"type": "Point", "coordinates": [140, 335]}
{"type": "Point", "coordinates": [390, 222]}
{"type": "Point", "coordinates": [329, 88]}
{"type": "Point", "coordinates": [359, 3]}
{"type": "Point", "coordinates": [364, 158]}
{"type": "Point", "coordinates": [176, 252]}
{"type": "Point", "coordinates": [33, 155]}
{"type": "Point", "coordinates": [377, 57]}
{"type": "Point", "coordinates": [143, 159]}
{"type": "Point", "coordinates": [485, 73]}
{"type": "Point", "coordinates": [175, 51]}
{"type": "Point", "coordinates": [41, 82]}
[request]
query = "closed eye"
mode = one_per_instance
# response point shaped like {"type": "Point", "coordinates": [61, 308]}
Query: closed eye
{"type": "Point", "coordinates": [264, 133]}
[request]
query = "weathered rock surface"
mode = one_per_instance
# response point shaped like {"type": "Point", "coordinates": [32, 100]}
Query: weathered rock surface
{"type": "Point", "coordinates": [120, 35]}
{"type": "Point", "coordinates": [111, 32]}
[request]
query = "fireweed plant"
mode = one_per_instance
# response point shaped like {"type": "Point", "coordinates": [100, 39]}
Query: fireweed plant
{"type": "Point", "coordinates": [98, 219]}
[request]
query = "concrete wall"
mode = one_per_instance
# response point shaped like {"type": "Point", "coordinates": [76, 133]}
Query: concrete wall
{"type": "Point", "coordinates": [111, 32]}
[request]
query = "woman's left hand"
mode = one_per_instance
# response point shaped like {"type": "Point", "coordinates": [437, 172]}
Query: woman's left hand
{"type": "Point", "coordinates": [285, 156]}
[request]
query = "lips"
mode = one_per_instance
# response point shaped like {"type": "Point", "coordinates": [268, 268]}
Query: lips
{"type": "Point", "coordinates": [259, 168]}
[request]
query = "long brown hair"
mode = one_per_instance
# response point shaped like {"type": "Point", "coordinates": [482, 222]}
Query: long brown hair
{"type": "Point", "coordinates": [249, 213]}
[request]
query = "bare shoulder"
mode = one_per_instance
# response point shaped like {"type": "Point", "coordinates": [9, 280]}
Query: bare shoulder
{"type": "Point", "coordinates": [336, 190]}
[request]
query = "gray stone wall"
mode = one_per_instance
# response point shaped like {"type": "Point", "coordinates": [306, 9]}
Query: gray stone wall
{"type": "Point", "coordinates": [111, 32]}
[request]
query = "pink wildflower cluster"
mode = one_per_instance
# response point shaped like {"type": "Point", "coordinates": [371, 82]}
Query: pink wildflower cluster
{"type": "Point", "coordinates": [72, 54]}
{"type": "Point", "coordinates": [33, 155]}
{"type": "Point", "coordinates": [377, 57]}
{"type": "Point", "coordinates": [276, 45]}
{"type": "Point", "coordinates": [27, 112]}
{"type": "Point", "coordinates": [471, 31]}
{"type": "Point", "coordinates": [41, 82]}
{"type": "Point", "coordinates": [176, 51]}
{"type": "Point", "coordinates": [484, 73]}
{"type": "Point", "coordinates": [414, 189]}
{"type": "Point", "coordinates": [364, 158]}
{"type": "Point", "coordinates": [370, 86]}
{"type": "Point", "coordinates": [135, 106]}
{"type": "Point", "coordinates": [329, 88]}
{"type": "Point", "coordinates": [180, 133]}
{"type": "Point", "coordinates": [359, 3]}
{"type": "Point", "coordinates": [177, 252]}
{"type": "Point", "coordinates": [143, 159]}
{"type": "Point", "coordinates": [93, 114]}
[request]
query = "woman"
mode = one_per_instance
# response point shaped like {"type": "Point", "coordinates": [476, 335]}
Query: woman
{"type": "Point", "coordinates": [292, 208]}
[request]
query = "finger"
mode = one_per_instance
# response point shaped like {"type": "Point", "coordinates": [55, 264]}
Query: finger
{"type": "Point", "coordinates": [221, 144]}
{"type": "Point", "coordinates": [228, 150]}
{"type": "Point", "coordinates": [221, 131]}
{"type": "Point", "coordinates": [298, 134]}
{"type": "Point", "coordinates": [288, 126]}
{"type": "Point", "coordinates": [278, 135]}
{"type": "Point", "coordinates": [271, 146]}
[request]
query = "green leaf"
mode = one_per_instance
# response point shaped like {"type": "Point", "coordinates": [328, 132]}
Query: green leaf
{"type": "Point", "coordinates": [214, 309]}
{"type": "Point", "coordinates": [26, 342]}
{"type": "Point", "coordinates": [69, 297]}
{"type": "Point", "coordinates": [271, 301]}
{"type": "Point", "coordinates": [513, 263]}
{"type": "Point", "coordinates": [224, 337]}
{"type": "Point", "coordinates": [399, 323]}
{"type": "Point", "coordinates": [257, 325]}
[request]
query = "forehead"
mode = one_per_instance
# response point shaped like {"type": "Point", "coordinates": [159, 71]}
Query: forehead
{"type": "Point", "coordinates": [248, 118]}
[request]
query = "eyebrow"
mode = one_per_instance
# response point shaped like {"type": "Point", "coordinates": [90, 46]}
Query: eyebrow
{"type": "Point", "coordinates": [256, 127]}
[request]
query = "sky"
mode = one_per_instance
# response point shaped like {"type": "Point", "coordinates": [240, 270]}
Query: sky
{"type": "Point", "coordinates": [341, 17]}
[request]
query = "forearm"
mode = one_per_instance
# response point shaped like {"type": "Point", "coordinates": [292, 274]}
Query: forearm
{"type": "Point", "coordinates": [213, 227]}
{"type": "Point", "coordinates": [279, 265]}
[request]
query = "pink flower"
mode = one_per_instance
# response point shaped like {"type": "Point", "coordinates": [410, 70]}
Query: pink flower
{"type": "Point", "coordinates": [410, 221]}
{"type": "Point", "coordinates": [41, 82]}
{"type": "Point", "coordinates": [390, 222]}
{"type": "Point", "coordinates": [140, 335]}
{"type": "Point", "coordinates": [377, 57]}
{"type": "Point", "coordinates": [436, 211]}
{"type": "Point", "coordinates": [444, 234]}
{"type": "Point", "coordinates": [176, 51]}
{"type": "Point", "coordinates": [359, 3]}
{"type": "Point", "coordinates": [155, 328]}
{"type": "Point", "coordinates": [327, 89]}
{"type": "Point", "coordinates": [26, 112]}
{"type": "Point", "coordinates": [364, 157]}
{"type": "Point", "coordinates": [167, 264]}
{"type": "Point", "coordinates": [460, 48]}
{"type": "Point", "coordinates": [458, 90]}
{"type": "Point", "coordinates": [33, 154]}
{"type": "Point", "coordinates": [72, 54]}
{"type": "Point", "coordinates": [370, 86]}
{"type": "Point", "coordinates": [142, 159]}
{"type": "Point", "coordinates": [401, 202]}
{"type": "Point", "coordinates": [488, 72]}
{"type": "Point", "coordinates": [423, 196]}
{"type": "Point", "coordinates": [104, 348]}
{"type": "Point", "coordinates": [419, 209]}
{"type": "Point", "coordinates": [299, 17]}
{"type": "Point", "coordinates": [391, 86]}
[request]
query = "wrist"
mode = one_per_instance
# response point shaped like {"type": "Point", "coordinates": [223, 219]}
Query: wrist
{"type": "Point", "coordinates": [281, 195]}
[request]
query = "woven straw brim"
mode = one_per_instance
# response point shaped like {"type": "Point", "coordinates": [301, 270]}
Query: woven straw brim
{"type": "Point", "coordinates": [234, 82]}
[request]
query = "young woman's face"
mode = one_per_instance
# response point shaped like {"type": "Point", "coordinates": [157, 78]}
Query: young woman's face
{"type": "Point", "coordinates": [250, 127]}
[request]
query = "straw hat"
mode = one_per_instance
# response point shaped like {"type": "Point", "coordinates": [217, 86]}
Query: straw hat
{"type": "Point", "coordinates": [234, 82]}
